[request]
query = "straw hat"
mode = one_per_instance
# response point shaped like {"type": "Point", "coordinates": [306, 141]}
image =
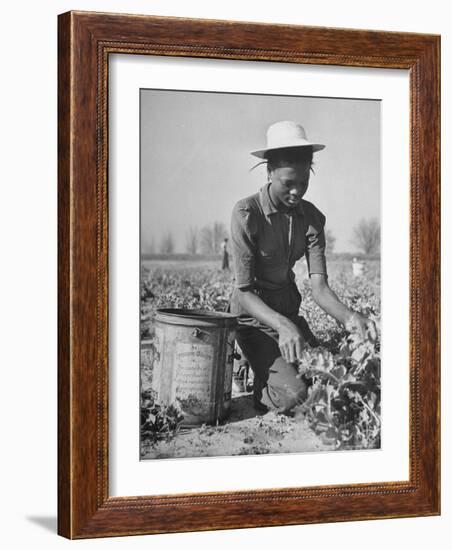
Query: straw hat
{"type": "Point", "coordinates": [286, 133]}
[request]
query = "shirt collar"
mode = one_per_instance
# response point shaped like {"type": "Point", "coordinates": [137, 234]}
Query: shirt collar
{"type": "Point", "coordinates": [269, 208]}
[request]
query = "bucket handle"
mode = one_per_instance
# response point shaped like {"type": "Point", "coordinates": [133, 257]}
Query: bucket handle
{"type": "Point", "coordinates": [234, 354]}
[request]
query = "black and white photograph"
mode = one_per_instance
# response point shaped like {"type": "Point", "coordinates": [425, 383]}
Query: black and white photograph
{"type": "Point", "coordinates": [225, 233]}
{"type": "Point", "coordinates": [260, 274]}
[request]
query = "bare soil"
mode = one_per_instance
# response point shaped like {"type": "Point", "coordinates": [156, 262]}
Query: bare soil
{"type": "Point", "coordinates": [246, 432]}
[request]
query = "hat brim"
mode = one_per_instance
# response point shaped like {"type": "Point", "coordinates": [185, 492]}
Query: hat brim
{"type": "Point", "coordinates": [262, 153]}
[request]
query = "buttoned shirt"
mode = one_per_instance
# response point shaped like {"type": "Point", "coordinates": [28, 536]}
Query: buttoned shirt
{"type": "Point", "coordinates": [266, 242]}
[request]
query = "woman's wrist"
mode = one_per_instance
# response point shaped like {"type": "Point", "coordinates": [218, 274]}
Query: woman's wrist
{"type": "Point", "coordinates": [281, 322]}
{"type": "Point", "coordinates": [349, 317]}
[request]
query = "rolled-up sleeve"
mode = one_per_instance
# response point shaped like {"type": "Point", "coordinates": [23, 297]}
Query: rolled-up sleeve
{"type": "Point", "coordinates": [243, 246]}
{"type": "Point", "coordinates": [315, 242]}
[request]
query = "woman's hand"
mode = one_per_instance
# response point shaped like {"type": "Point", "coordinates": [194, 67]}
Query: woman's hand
{"type": "Point", "coordinates": [291, 341]}
{"type": "Point", "coordinates": [361, 325]}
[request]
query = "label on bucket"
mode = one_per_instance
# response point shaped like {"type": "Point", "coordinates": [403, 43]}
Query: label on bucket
{"type": "Point", "coordinates": [193, 374]}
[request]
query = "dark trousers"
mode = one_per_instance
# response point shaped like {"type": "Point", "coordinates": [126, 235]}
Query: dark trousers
{"type": "Point", "coordinates": [277, 384]}
{"type": "Point", "coordinates": [225, 261]}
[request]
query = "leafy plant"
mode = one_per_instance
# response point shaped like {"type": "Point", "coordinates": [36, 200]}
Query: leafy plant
{"type": "Point", "coordinates": [159, 421]}
{"type": "Point", "coordinates": [343, 403]}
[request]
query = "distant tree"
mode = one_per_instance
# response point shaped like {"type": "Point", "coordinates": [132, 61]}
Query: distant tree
{"type": "Point", "coordinates": [366, 236]}
{"type": "Point", "coordinates": [219, 234]}
{"type": "Point", "coordinates": [211, 237]}
{"type": "Point", "coordinates": [330, 240]}
{"type": "Point", "coordinates": [191, 240]}
{"type": "Point", "coordinates": [167, 243]}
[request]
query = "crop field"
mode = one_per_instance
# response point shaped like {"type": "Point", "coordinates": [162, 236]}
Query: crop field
{"type": "Point", "coordinates": [342, 409]}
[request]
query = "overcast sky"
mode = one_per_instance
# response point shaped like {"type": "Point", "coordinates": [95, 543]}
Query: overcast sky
{"type": "Point", "coordinates": [195, 158]}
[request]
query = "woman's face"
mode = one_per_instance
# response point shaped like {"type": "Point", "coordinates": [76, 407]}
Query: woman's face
{"type": "Point", "coordinates": [289, 181]}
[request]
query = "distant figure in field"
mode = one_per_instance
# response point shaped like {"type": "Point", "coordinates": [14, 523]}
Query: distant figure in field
{"type": "Point", "coordinates": [224, 254]}
{"type": "Point", "coordinates": [357, 267]}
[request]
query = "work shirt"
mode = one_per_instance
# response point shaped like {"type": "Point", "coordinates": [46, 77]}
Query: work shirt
{"type": "Point", "coordinates": [267, 242]}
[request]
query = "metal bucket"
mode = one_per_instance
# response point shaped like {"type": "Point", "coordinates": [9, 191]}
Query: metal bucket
{"type": "Point", "coordinates": [193, 362]}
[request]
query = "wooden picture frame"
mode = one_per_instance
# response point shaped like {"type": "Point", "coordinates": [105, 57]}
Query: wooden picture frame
{"type": "Point", "coordinates": [85, 42]}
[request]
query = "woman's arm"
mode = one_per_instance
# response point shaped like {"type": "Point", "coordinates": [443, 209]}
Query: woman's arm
{"type": "Point", "coordinates": [290, 341]}
{"type": "Point", "coordinates": [329, 302]}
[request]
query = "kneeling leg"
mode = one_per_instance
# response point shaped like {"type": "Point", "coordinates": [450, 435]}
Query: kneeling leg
{"type": "Point", "coordinates": [284, 388]}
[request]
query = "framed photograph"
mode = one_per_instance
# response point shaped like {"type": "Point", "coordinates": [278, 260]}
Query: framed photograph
{"type": "Point", "coordinates": [186, 263]}
{"type": "Point", "coordinates": [249, 259]}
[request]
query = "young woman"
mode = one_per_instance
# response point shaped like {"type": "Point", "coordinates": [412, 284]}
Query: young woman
{"type": "Point", "coordinates": [270, 231]}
